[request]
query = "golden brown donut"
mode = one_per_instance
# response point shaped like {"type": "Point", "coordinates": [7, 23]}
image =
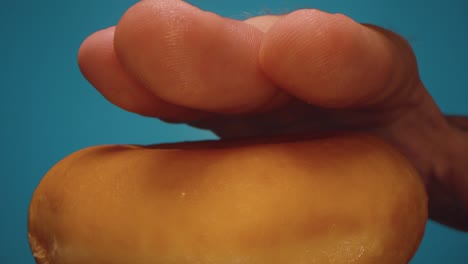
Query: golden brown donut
{"type": "Point", "coordinates": [339, 199]}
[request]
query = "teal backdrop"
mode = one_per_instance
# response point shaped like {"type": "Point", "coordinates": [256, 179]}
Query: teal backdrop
{"type": "Point", "coordinates": [48, 110]}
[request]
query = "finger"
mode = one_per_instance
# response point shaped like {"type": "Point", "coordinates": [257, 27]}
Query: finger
{"type": "Point", "coordinates": [332, 61]}
{"type": "Point", "coordinates": [100, 66]}
{"type": "Point", "coordinates": [193, 58]}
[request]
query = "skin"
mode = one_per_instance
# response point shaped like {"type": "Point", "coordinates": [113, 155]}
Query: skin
{"type": "Point", "coordinates": [305, 72]}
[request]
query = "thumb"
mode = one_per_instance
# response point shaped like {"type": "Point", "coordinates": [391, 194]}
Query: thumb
{"type": "Point", "coordinates": [331, 61]}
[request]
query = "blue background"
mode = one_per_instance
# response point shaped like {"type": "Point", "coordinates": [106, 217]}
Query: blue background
{"type": "Point", "coordinates": [48, 110]}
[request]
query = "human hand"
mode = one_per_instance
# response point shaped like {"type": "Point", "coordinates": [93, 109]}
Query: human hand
{"type": "Point", "coordinates": [304, 72]}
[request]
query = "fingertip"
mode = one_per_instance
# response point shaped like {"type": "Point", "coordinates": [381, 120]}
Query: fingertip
{"type": "Point", "coordinates": [93, 46]}
{"type": "Point", "coordinates": [324, 59]}
{"type": "Point", "coordinates": [193, 58]}
{"type": "Point", "coordinates": [98, 63]}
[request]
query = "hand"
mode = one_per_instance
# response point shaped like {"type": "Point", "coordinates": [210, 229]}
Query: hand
{"type": "Point", "coordinates": [304, 72]}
